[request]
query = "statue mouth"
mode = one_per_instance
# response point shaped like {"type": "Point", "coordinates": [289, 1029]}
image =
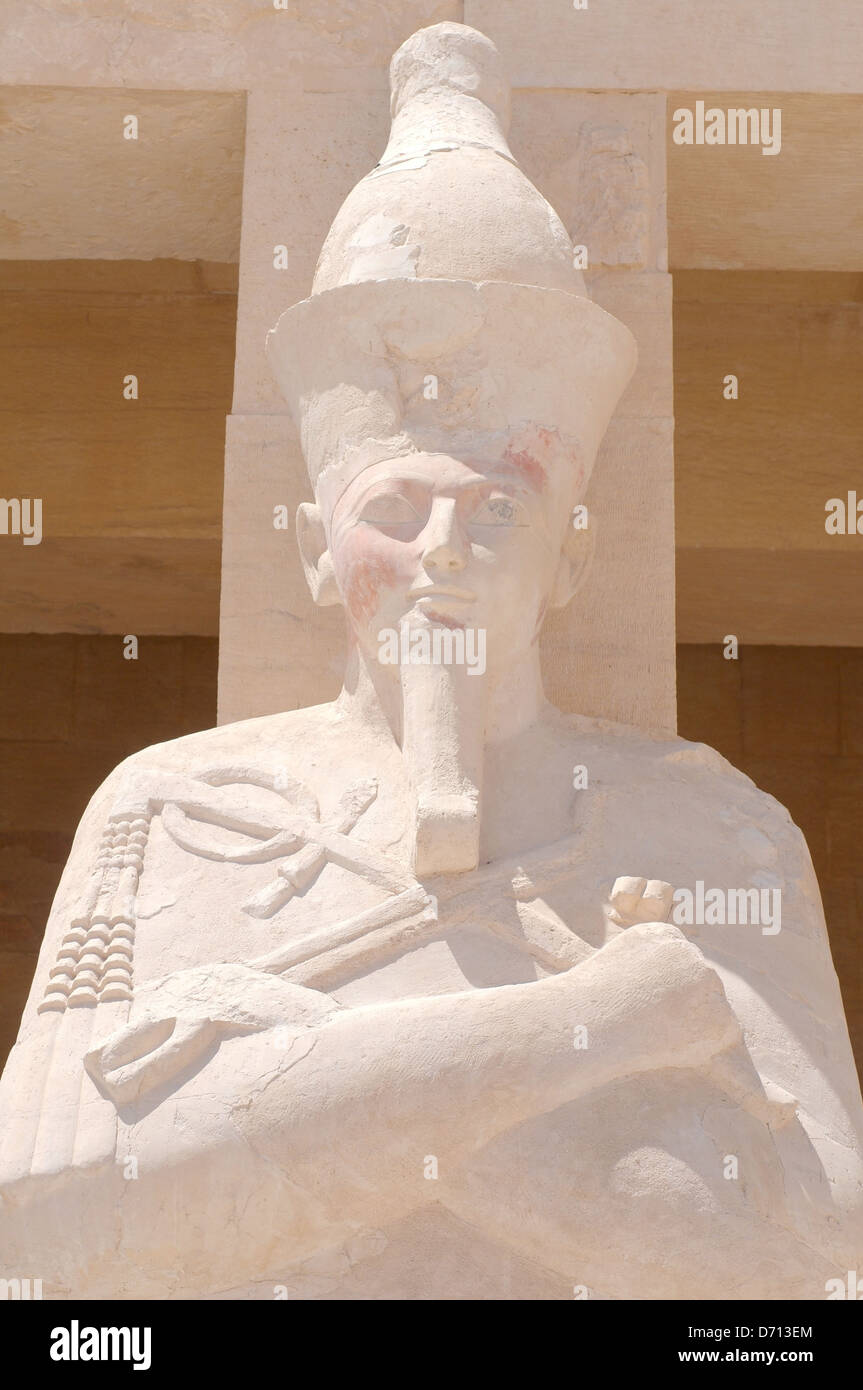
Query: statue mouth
{"type": "Point", "coordinates": [444, 607]}
{"type": "Point", "coordinates": [439, 592]}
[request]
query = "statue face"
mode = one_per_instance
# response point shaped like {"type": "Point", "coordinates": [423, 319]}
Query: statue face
{"type": "Point", "coordinates": [432, 538]}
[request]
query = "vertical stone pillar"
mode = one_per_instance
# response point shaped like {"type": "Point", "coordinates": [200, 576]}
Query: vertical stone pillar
{"type": "Point", "coordinates": [600, 161]}
{"type": "Point", "coordinates": [304, 152]}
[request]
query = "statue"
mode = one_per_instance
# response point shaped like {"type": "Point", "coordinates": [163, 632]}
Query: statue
{"type": "Point", "coordinates": [376, 999]}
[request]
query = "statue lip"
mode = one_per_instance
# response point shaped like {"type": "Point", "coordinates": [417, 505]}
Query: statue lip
{"type": "Point", "coordinates": [438, 591]}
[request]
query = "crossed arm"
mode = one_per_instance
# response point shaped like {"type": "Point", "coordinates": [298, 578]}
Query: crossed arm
{"type": "Point", "coordinates": [466, 1065]}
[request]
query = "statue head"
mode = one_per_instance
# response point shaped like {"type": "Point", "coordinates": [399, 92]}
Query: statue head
{"type": "Point", "coordinates": [449, 428]}
{"type": "Point", "coordinates": [449, 422]}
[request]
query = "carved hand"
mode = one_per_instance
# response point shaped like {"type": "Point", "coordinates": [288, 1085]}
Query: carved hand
{"type": "Point", "coordinates": [179, 1017]}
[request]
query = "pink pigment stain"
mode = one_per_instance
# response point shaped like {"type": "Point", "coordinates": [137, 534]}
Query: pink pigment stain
{"type": "Point", "coordinates": [529, 467]}
{"type": "Point", "coordinates": [366, 578]}
{"type": "Point", "coordinates": [442, 620]}
{"type": "Point", "coordinates": [541, 449]}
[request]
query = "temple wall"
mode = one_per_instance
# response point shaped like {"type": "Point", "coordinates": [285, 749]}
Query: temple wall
{"type": "Point", "coordinates": [131, 489]}
{"type": "Point", "coordinates": [787, 45]}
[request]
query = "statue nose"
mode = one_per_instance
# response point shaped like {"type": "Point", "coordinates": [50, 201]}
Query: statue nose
{"type": "Point", "coordinates": [444, 547]}
{"type": "Point", "coordinates": [444, 557]}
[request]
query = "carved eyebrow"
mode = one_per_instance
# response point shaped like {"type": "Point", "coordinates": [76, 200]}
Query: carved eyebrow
{"type": "Point", "coordinates": [512, 482]}
{"type": "Point", "coordinates": [389, 483]}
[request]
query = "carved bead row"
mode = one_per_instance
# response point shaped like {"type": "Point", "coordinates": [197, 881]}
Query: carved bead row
{"type": "Point", "coordinates": [94, 962]}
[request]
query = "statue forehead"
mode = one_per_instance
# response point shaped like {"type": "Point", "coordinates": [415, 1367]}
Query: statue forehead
{"type": "Point", "coordinates": [533, 459]}
{"type": "Point", "coordinates": [439, 472]}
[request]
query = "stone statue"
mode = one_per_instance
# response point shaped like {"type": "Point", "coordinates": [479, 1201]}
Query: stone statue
{"type": "Point", "coordinates": [388, 999]}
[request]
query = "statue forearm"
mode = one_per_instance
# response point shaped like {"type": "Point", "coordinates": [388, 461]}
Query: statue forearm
{"type": "Point", "coordinates": [342, 1117]}
{"type": "Point", "coordinates": [386, 1085]}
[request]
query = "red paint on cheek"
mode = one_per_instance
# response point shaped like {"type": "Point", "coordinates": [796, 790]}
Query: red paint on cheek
{"type": "Point", "coordinates": [366, 576]}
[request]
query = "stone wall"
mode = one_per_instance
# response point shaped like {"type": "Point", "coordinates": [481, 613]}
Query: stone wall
{"type": "Point", "coordinates": [753, 475]}
{"type": "Point", "coordinates": [131, 489]}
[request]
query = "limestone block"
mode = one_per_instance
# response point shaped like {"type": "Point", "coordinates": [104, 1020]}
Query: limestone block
{"type": "Point", "coordinates": [730, 208]}
{"type": "Point", "coordinates": [618, 622]}
{"type": "Point", "coordinates": [801, 783]}
{"type": "Point", "coordinates": [643, 302]}
{"type": "Point", "coordinates": [271, 657]}
{"type": "Point", "coordinates": [851, 697]}
{"type": "Point", "coordinates": [783, 597]}
{"type": "Point", "coordinates": [99, 584]}
{"type": "Point", "coordinates": [681, 44]}
{"type": "Point", "coordinates": [791, 701]}
{"type": "Point", "coordinates": [599, 158]}
{"type": "Point", "coordinates": [753, 547]}
{"type": "Point", "coordinates": [76, 187]}
{"type": "Point", "coordinates": [59, 354]}
{"type": "Point", "coordinates": [230, 45]}
{"type": "Point", "coordinates": [304, 151]}
{"type": "Point", "coordinates": [119, 472]}
{"type": "Point", "coordinates": [70, 277]}
{"type": "Point", "coordinates": [129, 488]}
{"type": "Point", "coordinates": [153, 685]}
{"type": "Point", "coordinates": [16, 971]}
{"type": "Point", "coordinates": [709, 698]}
{"type": "Point", "coordinates": [34, 695]}
{"type": "Point", "coordinates": [71, 770]}
{"type": "Point", "coordinates": [845, 794]}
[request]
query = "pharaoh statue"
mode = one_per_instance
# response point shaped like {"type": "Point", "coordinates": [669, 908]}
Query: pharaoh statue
{"type": "Point", "coordinates": [369, 1000]}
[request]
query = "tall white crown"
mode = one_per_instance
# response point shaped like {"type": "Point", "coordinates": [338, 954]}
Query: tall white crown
{"type": "Point", "coordinates": [445, 261]}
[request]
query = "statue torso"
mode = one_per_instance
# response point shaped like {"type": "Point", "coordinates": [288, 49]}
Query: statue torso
{"type": "Point", "coordinates": [215, 886]}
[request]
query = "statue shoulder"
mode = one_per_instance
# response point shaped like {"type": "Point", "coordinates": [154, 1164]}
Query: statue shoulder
{"type": "Point", "coordinates": [115, 823]}
{"type": "Point", "coordinates": [651, 753]}
{"type": "Point", "coordinates": [245, 742]}
{"type": "Point", "coordinates": [663, 769]}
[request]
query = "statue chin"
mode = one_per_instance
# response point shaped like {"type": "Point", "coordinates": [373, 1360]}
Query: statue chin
{"type": "Point", "coordinates": [435, 992]}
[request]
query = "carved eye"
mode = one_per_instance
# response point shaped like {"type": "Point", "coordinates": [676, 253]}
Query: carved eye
{"type": "Point", "coordinates": [499, 511]}
{"type": "Point", "coordinates": [389, 509]}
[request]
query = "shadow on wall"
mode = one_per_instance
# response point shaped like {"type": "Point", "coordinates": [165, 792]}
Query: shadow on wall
{"type": "Point", "coordinates": [792, 719]}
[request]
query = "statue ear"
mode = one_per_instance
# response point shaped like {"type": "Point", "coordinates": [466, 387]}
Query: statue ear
{"type": "Point", "coordinates": [576, 558]}
{"type": "Point", "coordinates": [316, 558]}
